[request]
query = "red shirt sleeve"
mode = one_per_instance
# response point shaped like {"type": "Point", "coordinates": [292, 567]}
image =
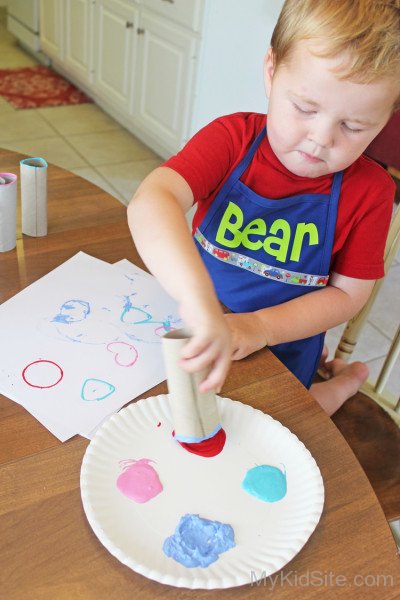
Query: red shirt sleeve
{"type": "Point", "coordinates": [205, 160]}
{"type": "Point", "coordinates": [363, 221]}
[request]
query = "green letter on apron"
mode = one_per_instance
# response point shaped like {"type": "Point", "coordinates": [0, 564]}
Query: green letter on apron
{"type": "Point", "coordinates": [301, 230]}
{"type": "Point", "coordinates": [283, 242]}
{"type": "Point", "coordinates": [256, 227]}
{"type": "Point", "coordinates": [232, 210]}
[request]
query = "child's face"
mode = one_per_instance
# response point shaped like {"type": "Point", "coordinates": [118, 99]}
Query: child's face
{"type": "Point", "coordinates": [317, 123]}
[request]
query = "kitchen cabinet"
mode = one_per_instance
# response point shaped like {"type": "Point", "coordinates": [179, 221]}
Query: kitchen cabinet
{"type": "Point", "coordinates": [23, 22]}
{"type": "Point", "coordinates": [162, 68]}
{"type": "Point", "coordinates": [164, 79]}
{"type": "Point", "coordinates": [66, 34]}
{"type": "Point", "coordinates": [115, 53]}
{"type": "Point", "coordinates": [78, 32]}
{"type": "Point", "coordinates": [144, 66]}
{"type": "Point", "coordinates": [51, 31]}
{"type": "Point", "coordinates": [183, 12]}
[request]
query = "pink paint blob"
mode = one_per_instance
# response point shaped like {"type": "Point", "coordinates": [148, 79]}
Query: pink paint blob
{"type": "Point", "coordinates": [139, 481]}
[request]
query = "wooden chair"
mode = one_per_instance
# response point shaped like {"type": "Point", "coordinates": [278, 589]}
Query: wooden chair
{"type": "Point", "coordinates": [354, 327]}
{"type": "Point", "coordinates": [370, 420]}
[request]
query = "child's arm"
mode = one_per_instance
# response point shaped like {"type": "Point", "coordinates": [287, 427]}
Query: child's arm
{"type": "Point", "coordinates": [156, 217]}
{"type": "Point", "coordinates": [301, 317]}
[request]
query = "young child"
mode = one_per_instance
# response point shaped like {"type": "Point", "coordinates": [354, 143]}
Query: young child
{"type": "Point", "coordinates": [291, 219]}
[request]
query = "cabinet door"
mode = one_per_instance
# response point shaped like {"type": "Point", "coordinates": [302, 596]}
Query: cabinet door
{"type": "Point", "coordinates": [51, 42]}
{"type": "Point", "coordinates": [185, 12]}
{"type": "Point", "coordinates": [78, 26]}
{"type": "Point", "coordinates": [115, 49]}
{"type": "Point", "coordinates": [163, 85]}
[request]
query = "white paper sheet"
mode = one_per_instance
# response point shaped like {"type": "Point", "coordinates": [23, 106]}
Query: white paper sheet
{"type": "Point", "coordinates": [82, 341]}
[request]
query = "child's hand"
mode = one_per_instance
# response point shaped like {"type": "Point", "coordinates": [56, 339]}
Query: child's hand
{"type": "Point", "coordinates": [210, 347]}
{"type": "Point", "coordinates": [247, 333]}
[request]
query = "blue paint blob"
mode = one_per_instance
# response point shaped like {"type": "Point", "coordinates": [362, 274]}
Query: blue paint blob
{"type": "Point", "coordinates": [266, 483]}
{"type": "Point", "coordinates": [198, 542]}
{"type": "Point", "coordinates": [72, 311]}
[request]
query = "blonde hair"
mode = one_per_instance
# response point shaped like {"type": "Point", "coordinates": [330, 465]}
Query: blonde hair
{"type": "Point", "coordinates": [367, 30]}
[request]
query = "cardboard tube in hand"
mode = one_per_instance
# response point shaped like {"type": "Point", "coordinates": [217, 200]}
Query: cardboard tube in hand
{"type": "Point", "coordinates": [195, 414]}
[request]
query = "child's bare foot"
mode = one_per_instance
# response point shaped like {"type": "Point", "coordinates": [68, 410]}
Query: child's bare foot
{"type": "Point", "coordinates": [343, 380]}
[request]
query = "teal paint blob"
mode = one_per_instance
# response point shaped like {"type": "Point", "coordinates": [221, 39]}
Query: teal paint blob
{"type": "Point", "coordinates": [266, 483]}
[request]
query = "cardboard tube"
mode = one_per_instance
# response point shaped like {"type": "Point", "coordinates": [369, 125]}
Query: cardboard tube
{"type": "Point", "coordinates": [8, 211]}
{"type": "Point", "coordinates": [34, 196]}
{"type": "Point", "coordinates": [195, 414]}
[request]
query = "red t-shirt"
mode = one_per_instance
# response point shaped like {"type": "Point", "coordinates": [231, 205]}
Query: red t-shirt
{"type": "Point", "coordinates": [366, 198]}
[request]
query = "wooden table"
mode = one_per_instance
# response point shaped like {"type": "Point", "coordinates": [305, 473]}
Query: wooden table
{"type": "Point", "coordinates": [48, 550]}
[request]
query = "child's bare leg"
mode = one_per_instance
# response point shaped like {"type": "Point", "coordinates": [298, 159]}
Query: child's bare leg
{"type": "Point", "coordinates": [345, 380]}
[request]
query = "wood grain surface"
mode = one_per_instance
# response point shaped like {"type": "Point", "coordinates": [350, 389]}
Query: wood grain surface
{"type": "Point", "coordinates": [47, 548]}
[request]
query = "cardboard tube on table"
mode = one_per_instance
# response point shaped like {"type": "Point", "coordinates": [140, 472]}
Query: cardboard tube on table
{"type": "Point", "coordinates": [8, 211]}
{"type": "Point", "coordinates": [34, 196]}
{"type": "Point", "coordinates": [195, 414]}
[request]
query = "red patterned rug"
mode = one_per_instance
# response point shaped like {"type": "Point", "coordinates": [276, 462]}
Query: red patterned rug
{"type": "Point", "coordinates": [37, 87]}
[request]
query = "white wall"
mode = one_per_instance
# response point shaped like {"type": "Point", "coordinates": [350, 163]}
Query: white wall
{"type": "Point", "coordinates": [237, 35]}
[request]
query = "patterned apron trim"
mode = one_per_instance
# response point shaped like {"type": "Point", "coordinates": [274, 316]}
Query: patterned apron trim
{"type": "Point", "coordinates": [259, 268]}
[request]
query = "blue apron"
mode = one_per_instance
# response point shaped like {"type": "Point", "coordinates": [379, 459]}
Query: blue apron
{"type": "Point", "coordinates": [261, 252]}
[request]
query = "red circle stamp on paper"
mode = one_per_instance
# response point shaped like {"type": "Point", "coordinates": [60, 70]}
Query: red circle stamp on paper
{"type": "Point", "coordinates": [42, 374]}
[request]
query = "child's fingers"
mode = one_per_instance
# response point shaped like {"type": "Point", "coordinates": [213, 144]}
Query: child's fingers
{"type": "Point", "coordinates": [216, 377]}
{"type": "Point", "coordinates": [211, 358]}
{"type": "Point", "coordinates": [201, 359]}
{"type": "Point", "coordinates": [195, 347]}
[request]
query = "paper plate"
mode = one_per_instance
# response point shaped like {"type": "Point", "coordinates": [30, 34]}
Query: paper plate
{"type": "Point", "coordinates": [267, 535]}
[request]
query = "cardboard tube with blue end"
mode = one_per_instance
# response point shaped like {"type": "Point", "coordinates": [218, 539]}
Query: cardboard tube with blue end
{"type": "Point", "coordinates": [34, 196]}
{"type": "Point", "coordinates": [195, 414]}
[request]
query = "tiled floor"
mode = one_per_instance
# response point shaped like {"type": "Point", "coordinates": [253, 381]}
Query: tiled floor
{"type": "Point", "coordinates": [88, 142]}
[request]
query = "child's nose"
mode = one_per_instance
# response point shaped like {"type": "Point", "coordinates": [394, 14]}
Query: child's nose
{"type": "Point", "coordinates": [322, 134]}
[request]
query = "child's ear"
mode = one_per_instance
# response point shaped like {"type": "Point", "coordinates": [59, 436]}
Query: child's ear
{"type": "Point", "coordinates": [269, 67]}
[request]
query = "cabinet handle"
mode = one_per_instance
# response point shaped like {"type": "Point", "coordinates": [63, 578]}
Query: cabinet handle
{"type": "Point", "coordinates": [129, 24]}
{"type": "Point", "coordinates": [140, 31]}
{"type": "Point", "coordinates": [170, 1]}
